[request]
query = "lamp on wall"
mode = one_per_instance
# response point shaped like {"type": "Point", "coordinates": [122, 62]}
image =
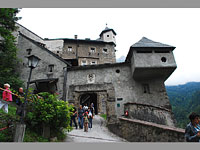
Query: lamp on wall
{"type": "Point", "coordinates": [32, 63]}
{"type": "Point", "coordinates": [20, 128]}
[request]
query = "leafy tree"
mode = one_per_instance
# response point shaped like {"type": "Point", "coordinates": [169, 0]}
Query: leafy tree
{"type": "Point", "coordinates": [184, 100]}
{"type": "Point", "coordinates": [8, 50]}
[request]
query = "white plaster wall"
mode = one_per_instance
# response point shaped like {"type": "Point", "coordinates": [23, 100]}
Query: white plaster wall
{"type": "Point", "coordinates": [54, 45]}
{"type": "Point", "coordinates": [110, 38]}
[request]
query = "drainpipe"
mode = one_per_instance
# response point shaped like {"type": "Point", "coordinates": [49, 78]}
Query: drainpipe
{"type": "Point", "coordinates": [76, 37]}
{"type": "Point", "coordinates": [64, 84]}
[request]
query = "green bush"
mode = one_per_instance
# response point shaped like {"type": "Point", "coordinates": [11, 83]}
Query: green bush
{"type": "Point", "coordinates": [7, 135]}
{"type": "Point", "coordinates": [48, 111]}
{"type": "Point", "coordinates": [31, 136]}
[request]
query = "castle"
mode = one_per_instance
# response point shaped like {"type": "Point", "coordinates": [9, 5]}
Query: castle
{"type": "Point", "coordinates": [83, 71]}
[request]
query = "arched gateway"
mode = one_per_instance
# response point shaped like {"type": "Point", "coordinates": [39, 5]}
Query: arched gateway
{"type": "Point", "coordinates": [89, 98]}
{"type": "Point", "coordinates": [102, 95]}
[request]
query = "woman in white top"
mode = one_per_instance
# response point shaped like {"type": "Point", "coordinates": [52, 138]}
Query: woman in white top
{"type": "Point", "coordinates": [90, 117]}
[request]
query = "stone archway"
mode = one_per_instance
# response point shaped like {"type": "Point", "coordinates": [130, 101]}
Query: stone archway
{"type": "Point", "coordinates": [105, 97]}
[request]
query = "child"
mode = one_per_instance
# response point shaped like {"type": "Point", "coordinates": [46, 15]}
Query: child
{"type": "Point", "coordinates": [85, 118]}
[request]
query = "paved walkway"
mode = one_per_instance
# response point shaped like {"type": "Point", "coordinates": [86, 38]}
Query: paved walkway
{"type": "Point", "coordinates": [98, 133]}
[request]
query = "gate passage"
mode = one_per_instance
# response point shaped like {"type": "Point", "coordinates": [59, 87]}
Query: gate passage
{"type": "Point", "coordinates": [89, 98]}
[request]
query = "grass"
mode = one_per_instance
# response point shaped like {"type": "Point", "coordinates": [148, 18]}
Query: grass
{"type": "Point", "coordinates": [104, 116]}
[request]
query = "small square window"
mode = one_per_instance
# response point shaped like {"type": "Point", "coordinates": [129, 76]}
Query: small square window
{"type": "Point", "coordinates": [119, 99]}
{"type": "Point", "coordinates": [29, 51]}
{"type": "Point", "coordinates": [105, 50]}
{"type": "Point", "coordinates": [93, 62]}
{"type": "Point", "coordinates": [146, 88]}
{"type": "Point", "coordinates": [107, 35]}
{"type": "Point", "coordinates": [83, 62]}
{"type": "Point", "coordinates": [69, 48]}
{"type": "Point", "coordinates": [92, 49]}
{"type": "Point", "coordinates": [51, 67]}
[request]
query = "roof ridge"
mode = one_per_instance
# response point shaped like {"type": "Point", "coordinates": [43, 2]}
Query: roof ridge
{"type": "Point", "coordinates": [29, 31]}
{"type": "Point", "coordinates": [50, 52]}
{"type": "Point", "coordinates": [145, 42]}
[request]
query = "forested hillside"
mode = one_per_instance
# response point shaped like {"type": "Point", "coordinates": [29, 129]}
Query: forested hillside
{"type": "Point", "coordinates": [184, 100]}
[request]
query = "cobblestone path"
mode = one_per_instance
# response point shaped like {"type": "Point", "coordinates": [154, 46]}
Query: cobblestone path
{"type": "Point", "coordinates": [98, 133]}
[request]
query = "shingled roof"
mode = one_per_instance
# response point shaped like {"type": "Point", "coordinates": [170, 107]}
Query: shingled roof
{"type": "Point", "coordinates": [106, 30]}
{"type": "Point", "coordinates": [145, 42]}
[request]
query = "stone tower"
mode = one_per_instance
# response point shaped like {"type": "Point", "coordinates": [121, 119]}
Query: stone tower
{"type": "Point", "coordinates": [151, 60]}
{"type": "Point", "coordinates": [108, 35]}
{"type": "Point", "coordinates": [151, 64]}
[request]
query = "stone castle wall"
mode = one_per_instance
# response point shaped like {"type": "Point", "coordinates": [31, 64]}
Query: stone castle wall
{"type": "Point", "coordinates": [125, 87]}
{"type": "Point", "coordinates": [149, 113]}
{"type": "Point", "coordinates": [42, 70]}
{"type": "Point", "coordinates": [142, 131]}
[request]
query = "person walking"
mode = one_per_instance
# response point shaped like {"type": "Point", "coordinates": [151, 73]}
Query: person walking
{"type": "Point", "coordinates": [192, 131]}
{"type": "Point", "coordinates": [7, 97]}
{"type": "Point", "coordinates": [73, 116]}
{"type": "Point", "coordinates": [80, 117]}
{"type": "Point", "coordinates": [92, 109]}
{"type": "Point", "coordinates": [85, 108]}
{"type": "Point", "coordinates": [90, 117]}
{"type": "Point", "coordinates": [85, 118]}
{"type": "Point", "coordinates": [19, 103]}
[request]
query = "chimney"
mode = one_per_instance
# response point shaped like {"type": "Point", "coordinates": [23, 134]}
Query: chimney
{"type": "Point", "coordinates": [75, 36]}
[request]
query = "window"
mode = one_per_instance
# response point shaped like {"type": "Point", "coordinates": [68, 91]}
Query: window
{"type": "Point", "coordinates": [93, 62]}
{"type": "Point", "coordinates": [83, 62]}
{"type": "Point", "coordinates": [29, 51]}
{"type": "Point", "coordinates": [146, 88]}
{"type": "Point", "coordinates": [162, 51]}
{"type": "Point", "coordinates": [117, 71]}
{"type": "Point", "coordinates": [92, 49]}
{"type": "Point", "coordinates": [105, 50]}
{"type": "Point", "coordinates": [144, 51]}
{"type": "Point", "coordinates": [107, 35]}
{"type": "Point", "coordinates": [119, 99]}
{"type": "Point", "coordinates": [163, 59]}
{"type": "Point", "coordinates": [69, 48]}
{"type": "Point", "coordinates": [51, 67]}
{"type": "Point", "coordinates": [57, 51]}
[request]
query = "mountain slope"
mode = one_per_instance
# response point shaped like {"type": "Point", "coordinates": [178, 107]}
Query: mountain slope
{"type": "Point", "coordinates": [184, 100]}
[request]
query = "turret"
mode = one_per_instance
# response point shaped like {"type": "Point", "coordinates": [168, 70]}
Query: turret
{"type": "Point", "coordinates": [150, 60]}
{"type": "Point", "coordinates": [108, 35]}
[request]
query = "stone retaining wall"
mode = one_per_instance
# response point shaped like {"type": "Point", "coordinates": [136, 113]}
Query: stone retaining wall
{"type": "Point", "coordinates": [142, 131]}
{"type": "Point", "coordinates": [150, 113]}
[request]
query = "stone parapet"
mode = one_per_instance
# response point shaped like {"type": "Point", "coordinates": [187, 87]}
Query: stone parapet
{"type": "Point", "coordinates": [135, 130]}
{"type": "Point", "coordinates": [150, 113]}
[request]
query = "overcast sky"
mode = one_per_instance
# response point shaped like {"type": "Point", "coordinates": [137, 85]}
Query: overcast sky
{"type": "Point", "coordinates": [175, 27]}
